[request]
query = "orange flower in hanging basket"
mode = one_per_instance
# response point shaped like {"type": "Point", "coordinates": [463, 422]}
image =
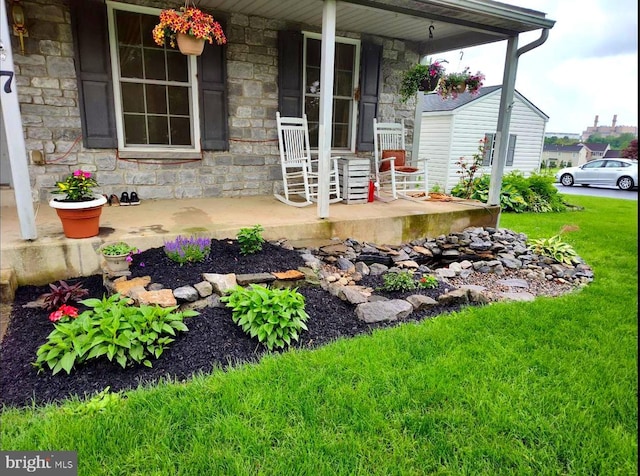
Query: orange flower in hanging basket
{"type": "Point", "coordinates": [188, 21]}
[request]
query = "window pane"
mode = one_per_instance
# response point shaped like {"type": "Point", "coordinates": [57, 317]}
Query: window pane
{"type": "Point", "coordinates": [180, 131]}
{"type": "Point", "coordinates": [132, 97]}
{"type": "Point", "coordinates": [158, 131]}
{"type": "Point", "coordinates": [341, 111]}
{"type": "Point", "coordinates": [340, 138]}
{"type": "Point", "coordinates": [130, 62]}
{"type": "Point", "coordinates": [179, 100]}
{"type": "Point", "coordinates": [154, 66]}
{"type": "Point", "coordinates": [156, 99]}
{"type": "Point", "coordinates": [146, 30]}
{"type": "Point", "coordinates": [313, 52]}
{"type": "Point", "coordinates": [343, 83]}
{"type": "Point", "coordinates": [313, 80]}
{"type": "Point", "coordinates": [128, 26]}
{"type": "Point", "coordinates": [134, 130]}
{"type": "Point", "coordinates": [312, 109]}
{"type": "Point", "coordinates": [177, 66]}
{"type": "Point", "coordinates": [344, 56]}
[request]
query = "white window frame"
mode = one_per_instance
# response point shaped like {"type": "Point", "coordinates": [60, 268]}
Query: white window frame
{"type": "Point", "coordinates": [356, 83]}
{"type": "Point", "coordinates": [194, 114]}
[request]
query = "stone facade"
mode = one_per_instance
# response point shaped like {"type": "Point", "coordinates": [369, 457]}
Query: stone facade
{"type": "Point", "coordinates": [48, 96]}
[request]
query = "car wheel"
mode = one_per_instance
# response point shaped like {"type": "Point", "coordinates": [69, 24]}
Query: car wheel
{"type": "Point", "coordinates": [625, 183]}
{"type": "Point", "coordinates": [566, 180]}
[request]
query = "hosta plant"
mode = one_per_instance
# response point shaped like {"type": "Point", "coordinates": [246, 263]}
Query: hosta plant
{"type": "Point", "coordinates": [275, 316]}
{"type": "Point", "coordinates": [112, 328]}
{"type": "Point", "coordinates": [554, 248]}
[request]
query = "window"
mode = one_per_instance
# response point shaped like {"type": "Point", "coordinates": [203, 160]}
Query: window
{"type": "Point", "coordinates": [490, 144]}
{"type": "Point", "coordinates": [155, 88]}
{"type": "Point", "coordinates": [347, 57]}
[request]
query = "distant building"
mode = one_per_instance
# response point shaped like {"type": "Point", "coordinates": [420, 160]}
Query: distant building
{"type": "Point", "coordinates": [608, 131]}
{"type": "Point", "coordinates": [562, 135]}
{"type": "Point", "coordinates": [554, 155]}
{"type": "Point", "coordinates": [595, 150]}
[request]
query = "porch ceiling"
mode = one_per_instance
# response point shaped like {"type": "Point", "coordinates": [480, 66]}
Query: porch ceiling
{"type": "Point", "coordinates": [457, 23]}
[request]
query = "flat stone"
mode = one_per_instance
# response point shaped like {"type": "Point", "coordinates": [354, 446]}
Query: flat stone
{"type": "Point", "coordinates": [254, 278]}
{"type": "Point", "coordinates": [162, 298]}
{"type": "Point", "coordinates": [124, 285]}
{"type": "Point", "coordinates": [291, 275]}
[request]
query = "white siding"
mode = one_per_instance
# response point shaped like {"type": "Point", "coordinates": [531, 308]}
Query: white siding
{"type": "Point", "coordinates": [460, 132]}
{"type": "Point", "coordinates": [435, 145]}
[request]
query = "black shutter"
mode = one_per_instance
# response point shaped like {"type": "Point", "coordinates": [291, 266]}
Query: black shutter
{"type": "Point", "coordinates": [93, 70]}
{"type": "Point", "coordinates": [212, 77]}
{"type": "Point", "coordinates": [512, 149]}
{"type": "Point", "coordinates": [290, 73]}
{"type": "Point", "coordinates": [370, 73]}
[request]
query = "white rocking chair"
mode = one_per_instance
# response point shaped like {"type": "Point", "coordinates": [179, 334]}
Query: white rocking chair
{"type": "Point", "coordinates": [393, 174]}
{"type": "Point", "coordinates": [299, 171]}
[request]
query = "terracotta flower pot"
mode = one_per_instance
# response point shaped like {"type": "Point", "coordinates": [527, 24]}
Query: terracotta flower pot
{"type": "Point", "coordinates": [189, 45]}
{"type": "Point", "coordinates": [79, 219]}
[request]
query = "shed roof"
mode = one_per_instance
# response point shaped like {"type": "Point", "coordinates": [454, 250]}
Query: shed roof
{"type": "Point", "coordinates": [435, 103]}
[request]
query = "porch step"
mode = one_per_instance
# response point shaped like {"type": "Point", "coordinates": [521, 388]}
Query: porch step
{"type": "Point", "coordinates": [8, 285]}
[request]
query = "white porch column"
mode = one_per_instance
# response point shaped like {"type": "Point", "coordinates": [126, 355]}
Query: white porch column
{"type": "Point", "coordinates": [326, 104]}
{"type": "Point", "coordinates": [504, 120]}
{"type": "Point", "coordinates": [12, 122]}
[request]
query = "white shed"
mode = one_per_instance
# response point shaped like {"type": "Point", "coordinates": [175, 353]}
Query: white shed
{"type": "Point", "coordinates": [453, 128]}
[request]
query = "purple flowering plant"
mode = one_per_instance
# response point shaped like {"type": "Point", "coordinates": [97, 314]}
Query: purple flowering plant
{"type": "Point", "coordinates": [188, 249]}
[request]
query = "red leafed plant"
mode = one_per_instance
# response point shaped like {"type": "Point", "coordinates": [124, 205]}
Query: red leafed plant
{"type": "Point", "coordinates": [63, 293]}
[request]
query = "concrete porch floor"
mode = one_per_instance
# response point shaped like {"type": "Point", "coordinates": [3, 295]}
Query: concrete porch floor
{"type": "Point", "coordinates": [52, 256]}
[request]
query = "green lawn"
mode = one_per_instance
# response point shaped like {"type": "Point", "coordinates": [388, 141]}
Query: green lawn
{"type": "Point", "coordinates": [548, 387]}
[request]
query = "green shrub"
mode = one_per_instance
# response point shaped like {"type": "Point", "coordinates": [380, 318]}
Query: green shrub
{"type": "Point", "coordinates": [188, 250]}
{"type": "Point", "coordinates": [250, 240]}
{"type": "Point", "coordinates": [275, 316]}
{"type": "Point", "coordinates": [128, 334]}
{"type": "Point", "coordinates": [518, 194]}
{"type": "Point", "coordinates": [428, 282]}
{"type": "Point", "coordinates": [554, 248]}
{"type": "Point", "coordinates": [402, 281]}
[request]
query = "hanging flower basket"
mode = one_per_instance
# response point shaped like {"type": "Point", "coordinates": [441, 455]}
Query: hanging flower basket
{"type": "Point", "coordinates": [189, 45]}
{"type": "Point", "coordinates": [189, 25]}
{"type": "Point", "coordinates": [429, 83]}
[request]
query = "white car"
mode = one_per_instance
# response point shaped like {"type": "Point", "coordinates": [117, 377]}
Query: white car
{"type": "Point", "coordinates": [621, 173]}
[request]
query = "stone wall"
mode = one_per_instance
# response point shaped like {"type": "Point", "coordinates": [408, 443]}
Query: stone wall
{"type": "Point", "coordinates": [48, 95]}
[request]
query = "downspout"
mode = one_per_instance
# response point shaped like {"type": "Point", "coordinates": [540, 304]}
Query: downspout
{"type": "Point", "coordinates": [504, 114]}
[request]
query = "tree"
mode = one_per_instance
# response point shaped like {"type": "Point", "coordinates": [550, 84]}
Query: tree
{"type": "Point", "coordinates": [631, 151]}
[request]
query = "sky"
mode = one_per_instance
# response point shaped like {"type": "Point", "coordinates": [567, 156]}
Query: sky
{"type": "Point", "coordinates": [588, 66]}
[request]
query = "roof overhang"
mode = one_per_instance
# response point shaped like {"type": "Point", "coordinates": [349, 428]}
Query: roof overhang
{"type": "Point", "coordinates": [456, 23]}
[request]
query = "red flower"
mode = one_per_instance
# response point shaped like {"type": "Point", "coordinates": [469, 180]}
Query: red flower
{"type": "Point", "coordinates": [63, 311]}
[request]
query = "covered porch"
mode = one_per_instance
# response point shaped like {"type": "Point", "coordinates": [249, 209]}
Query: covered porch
{"type": "Point", "coordinates": [52, 256]}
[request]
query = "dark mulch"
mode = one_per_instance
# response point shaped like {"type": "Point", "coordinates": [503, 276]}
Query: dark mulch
{"type": "Point", "coordinates": [213, 340]}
